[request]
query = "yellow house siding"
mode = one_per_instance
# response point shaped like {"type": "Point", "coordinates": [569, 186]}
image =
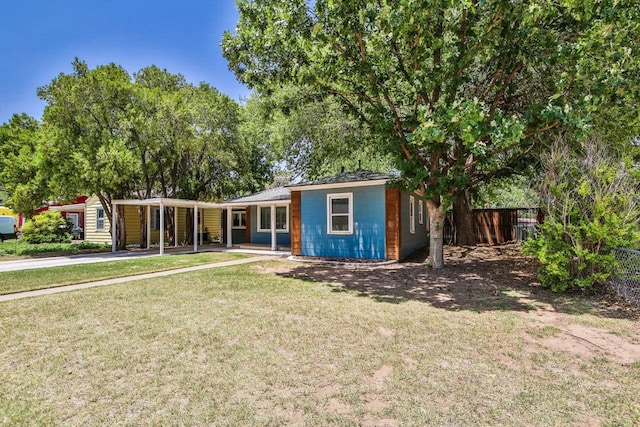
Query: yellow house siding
{"type": "Point", "coordinates": [91, 234]}
{"type": "Point", "coordinates": [182, 226]}
{"type": "Point", "coordinates": [212, 223]}
{"type": "Point", "coordinates": [132, 223]}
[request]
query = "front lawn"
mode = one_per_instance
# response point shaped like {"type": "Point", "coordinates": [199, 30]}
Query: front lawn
{"type": "Point", "coordinates": [277, 343]}
{"type": "Point", "coordinates": [40, 278]}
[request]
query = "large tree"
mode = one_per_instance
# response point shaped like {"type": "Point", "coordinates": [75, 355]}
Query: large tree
{"type": "Point", "coordinates": [456, 90]}
{"type": "Point", "coordinates": [24, 183]}
{"type": "Point", "coordinates": [310, 135]}
{"type": "Point", "coordinates": [89, 148]}
{"type": "Point", "coordinates": [197, 151]}
{"type": "Point", "coordinates": [151, 135]}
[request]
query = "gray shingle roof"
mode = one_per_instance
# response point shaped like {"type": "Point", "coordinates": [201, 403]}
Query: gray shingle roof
{"type": "Point", "coordinates": [358, 175]}
{"type": "Point", "coordinates": [270, 195]}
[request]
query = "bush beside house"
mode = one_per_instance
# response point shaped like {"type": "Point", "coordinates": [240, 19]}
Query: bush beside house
{"type": "Point", "coordinates": [591, 208]}
{"type": "Point", "coordinates": [47, 227]}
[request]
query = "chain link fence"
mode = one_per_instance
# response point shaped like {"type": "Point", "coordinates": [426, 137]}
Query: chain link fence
{"type": "Point", "coordinates": [626, 281]}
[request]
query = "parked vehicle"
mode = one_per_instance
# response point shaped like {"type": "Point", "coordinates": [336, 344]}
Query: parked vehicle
{"type": "Point", "coordinates": [8, 227]}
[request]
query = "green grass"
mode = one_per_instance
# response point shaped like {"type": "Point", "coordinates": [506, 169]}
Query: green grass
{"type": "Point", "coordinates": [28, 280]}
{"type": "Point", "coordinates": [20, 248]}
{"type": "Point", "coordinates": [243, 346]}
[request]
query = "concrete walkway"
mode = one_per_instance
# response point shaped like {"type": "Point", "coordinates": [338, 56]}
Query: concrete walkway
{"type": "Point", "coordinates": [69, 288]}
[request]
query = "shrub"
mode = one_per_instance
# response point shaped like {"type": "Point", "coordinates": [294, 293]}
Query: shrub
{"type": "Point", "coordinates": [47, 227]}
{"type": "Point", "coordinates": [20, 248]}
{"type": "Point", "coordinates": [591, 207]}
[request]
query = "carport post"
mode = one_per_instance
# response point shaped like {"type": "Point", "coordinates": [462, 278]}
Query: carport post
{"type": "Point", "coordinates": [161, 229]}
{"type": "Point", "coordinates": [202, 231]}
{"type": "Point", "coordinates": [229, 226]}
{"type": "Point", "coordinates": [195, 228]}
{"type": "Point", "coordinates": [148, 227]}
{"type": "Point", "coordinates": [175, 226]}
{"type": "Point", "coordinates": [273, 228]}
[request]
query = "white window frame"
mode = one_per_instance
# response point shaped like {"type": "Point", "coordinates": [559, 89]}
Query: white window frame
{"type": "Point", "coordinates": [98, 227]}
{"type": "Point", "coordinates": [412, 215]}
{"type": "Point", "coordinates": [330, 216]}
{"type": "Point", "coordinates": [420, 212]}
{"type": "Point", "coordinates": [75, 221]}
{"type": "Point", "coordinates": [278, 230]}
{"type": "Point", "coordinates": [240, 214]}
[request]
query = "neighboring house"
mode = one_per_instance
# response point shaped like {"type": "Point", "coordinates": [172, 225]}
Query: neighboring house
{"type": "Point", "coordinates": [74, 212]}
{"type": "Point", "coordinates": [348, 215]}
{"type": "Point", "coordinates": [98, 226]}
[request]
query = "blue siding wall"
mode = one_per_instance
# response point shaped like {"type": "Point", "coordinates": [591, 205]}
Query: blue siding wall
{"type": "Point", "coordinates": [264, 238]}
{"type": "Point", "coordinates": [368, 238]}
{"type": "Point", "coordinates": [412, 242]}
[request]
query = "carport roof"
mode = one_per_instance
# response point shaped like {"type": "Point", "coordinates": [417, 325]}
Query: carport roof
{"type": "Point", "coordinates": [278, 194]}
{"type": "Point", "coordinates": [165, 201]}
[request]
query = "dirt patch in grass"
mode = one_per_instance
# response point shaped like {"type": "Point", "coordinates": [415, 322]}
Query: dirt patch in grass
{"type": "Point", "coordinates": [490, 278]}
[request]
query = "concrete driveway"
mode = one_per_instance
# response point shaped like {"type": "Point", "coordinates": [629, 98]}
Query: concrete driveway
{"type": "Point", "coordinates": [58, 261]}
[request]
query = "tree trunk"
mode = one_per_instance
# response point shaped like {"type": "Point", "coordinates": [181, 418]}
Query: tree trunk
{"type": "Point", "coordinates": [171, 219]}
{"type": "Point", "coordinates": [121, 238]}
{"type": "Point", "coordinates": [436, 234]}
{"type": "Point", "coordinates": [142, 215]}
{"type": "Point", "coordinates": [463, 220]}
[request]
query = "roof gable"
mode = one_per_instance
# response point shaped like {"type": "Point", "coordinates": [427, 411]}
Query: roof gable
{"type": "Point", "coordinates": [270, 195]}
{"type": "Point", "coordinates": [356, 176]}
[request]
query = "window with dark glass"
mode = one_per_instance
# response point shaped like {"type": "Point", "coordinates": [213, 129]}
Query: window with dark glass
{"type": "Point", "coordinates": [239, 219]}
{"type": "Point", "coordinates": [282, 218]}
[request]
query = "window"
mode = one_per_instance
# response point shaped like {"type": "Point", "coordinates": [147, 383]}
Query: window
{"type": "Point", "coordinates": [340, 213]}
{"type": "Point", "coordinates": [74, 219]}
{"type": "Point", "coordinates": [239, 219]}
{"type": "Point", "coordinates": [282, 218]}
{"type": "Point", "coordinates": [412, 215]}
{"type": "Point", "coordinates": [420, 212]}
{"type": "Point", "coordinates": [99, 219]}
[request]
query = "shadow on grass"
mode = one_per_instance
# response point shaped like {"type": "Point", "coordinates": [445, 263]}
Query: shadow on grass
{"type": "Point", "coordinates": [497, 281]}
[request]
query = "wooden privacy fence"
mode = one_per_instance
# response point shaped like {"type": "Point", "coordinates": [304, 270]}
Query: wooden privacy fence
{"type": "Point", "coordinates": [497, 226]}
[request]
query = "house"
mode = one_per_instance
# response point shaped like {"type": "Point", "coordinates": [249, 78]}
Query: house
{"type": "Point", "coordinates": [354, 214]}
{"type": "Point", "coordinates": [74, 212]}
{"type": "Point", "coordinates": [98, 225]}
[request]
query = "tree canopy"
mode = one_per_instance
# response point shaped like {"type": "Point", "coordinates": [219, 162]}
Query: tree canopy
{"type": "Point", "coordinates": [457, 92]}
{"type": "Point", "coordinates": [23, 182]}
{"type": "Point", "coordinates": [108, 133]}
{"type": "Point", "coordinates": [310, 136]}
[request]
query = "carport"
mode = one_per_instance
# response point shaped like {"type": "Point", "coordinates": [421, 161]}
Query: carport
{"type": "Point", "coordinates": [161, 203]}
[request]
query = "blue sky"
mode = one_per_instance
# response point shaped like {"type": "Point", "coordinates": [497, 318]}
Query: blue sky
{"type": "Point", "coordinates": [40, 38]}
